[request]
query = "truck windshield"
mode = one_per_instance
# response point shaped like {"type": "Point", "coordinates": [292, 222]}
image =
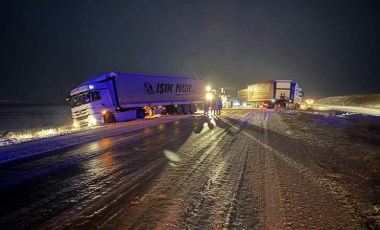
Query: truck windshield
{"type": "Point", "coordinates": [79, 99]}
{"type": "Point", "coordinates": [84, 98]}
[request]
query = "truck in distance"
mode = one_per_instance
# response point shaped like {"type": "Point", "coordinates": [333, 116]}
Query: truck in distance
{"type": "Point", "coordinates": [269, 94]}
{"type": "Point", "coordinates": [116, 96]}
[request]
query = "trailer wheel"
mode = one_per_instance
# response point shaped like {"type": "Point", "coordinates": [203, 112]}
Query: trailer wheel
{"type": "Point", "coordinates": [185, 109]}
{"type": "Point", "coordinates": [140, 114]}
{"type": "Point", "coordinates": [193, 109]}
{"type": "Point", "coordinates": [170, 109]}
{"type": "Point", "coordinates": [179, 109]}
{"type": "Point", "coordinates": [109, 118]}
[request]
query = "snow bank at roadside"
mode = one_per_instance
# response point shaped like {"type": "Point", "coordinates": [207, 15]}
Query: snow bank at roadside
{"type": "Point", "coordinates": [369, 101]}
{"type": "Point", "coordinates": [22, 150]}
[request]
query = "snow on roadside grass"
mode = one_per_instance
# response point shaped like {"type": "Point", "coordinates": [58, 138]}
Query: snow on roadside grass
{"type": "Point", "coordinates": [21, 136]}
{"type": "Point", "coordinates": [26, 135]}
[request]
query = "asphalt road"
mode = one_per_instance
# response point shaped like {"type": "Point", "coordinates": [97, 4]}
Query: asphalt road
{"type": "Point", "coordinates": [240, 170]}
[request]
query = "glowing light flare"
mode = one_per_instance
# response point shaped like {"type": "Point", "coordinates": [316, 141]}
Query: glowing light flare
{"type": "Point", "coordinates": [208, 88]}
{"type": "Point", "coordinates": [309, 101]}
{"type": "Point", "coordinates": [209, 96]}
{"type": "Point", "coordinates": [76, 125]}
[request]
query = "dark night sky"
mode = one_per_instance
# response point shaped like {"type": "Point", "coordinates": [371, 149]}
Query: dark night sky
{"type": "Point", "coordinates": [330, 47]}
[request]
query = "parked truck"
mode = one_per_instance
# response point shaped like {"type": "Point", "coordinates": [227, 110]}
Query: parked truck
{"type": "Point", "coordinates": [243, 97]}
{"type": "Point", "coordinates": [115, 97]}
{"type": "Point", "coordinates": [280, 93]}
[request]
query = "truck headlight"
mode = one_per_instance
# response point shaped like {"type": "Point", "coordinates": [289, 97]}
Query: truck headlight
{"type": "Point", "coordinates": [92, 121]}
{"type": "Point", "coordinates": [75, 124]}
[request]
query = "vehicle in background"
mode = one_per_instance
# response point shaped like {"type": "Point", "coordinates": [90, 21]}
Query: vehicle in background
{"type": "Point", "coordinates": [275, 93]}
{"type": "Point", "coordinates": [243, 97]}
{"type": "Point", "coordinates": [115, 97]}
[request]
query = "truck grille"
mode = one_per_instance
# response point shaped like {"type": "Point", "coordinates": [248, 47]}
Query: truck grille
{"type": "Point", "coordinates": [82, 118]}
{"type": "Point", "coordinates": [80, 113]}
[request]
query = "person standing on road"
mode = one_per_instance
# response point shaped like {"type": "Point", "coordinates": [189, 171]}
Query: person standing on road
{"type": "Point", "coordinates": [219, 106]}
{"type": "Point", "coordinates": [206, 107]}
{"type": "Point", "coordinates": [213, 106]}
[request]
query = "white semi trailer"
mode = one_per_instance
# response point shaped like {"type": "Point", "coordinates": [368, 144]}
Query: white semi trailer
{"type": "Point", "coordinates": [115, 97]}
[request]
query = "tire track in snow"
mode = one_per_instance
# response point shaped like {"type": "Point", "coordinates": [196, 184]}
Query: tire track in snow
{"type": "Point", "coordinates": [198, 165]}
{"type": "Point", "coordinates": [274, 157]}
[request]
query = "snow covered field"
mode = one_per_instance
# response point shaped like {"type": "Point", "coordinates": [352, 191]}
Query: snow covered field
{"type": "Point", "coordinates": [20, 123]}
{"type": "Point", "coordinates": [22, 117]}
{"type": "Point", "coordinates": [364, 104]}
{"type": "Point", "coordinates": [367, 101]}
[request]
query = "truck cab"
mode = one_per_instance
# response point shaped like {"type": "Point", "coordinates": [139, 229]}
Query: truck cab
{"type": "Point", "coordinates": [88, 104]}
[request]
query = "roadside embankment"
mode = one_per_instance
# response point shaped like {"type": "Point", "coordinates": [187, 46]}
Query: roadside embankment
{"type": "Point", "coordinates": [368, 101]}
{"type": "Point", "coordinates": [365, 104]}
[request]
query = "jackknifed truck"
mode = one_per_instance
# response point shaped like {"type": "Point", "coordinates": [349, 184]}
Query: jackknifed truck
{"type": "Point", "coordinates": [115, 97]}
{"type": "Point", "coordinates": [274, 93]}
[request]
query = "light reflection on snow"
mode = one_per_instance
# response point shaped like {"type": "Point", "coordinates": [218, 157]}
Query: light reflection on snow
{"type": "Point", "coordinates": [212, 121]}
{"type": "Point", "coordinates": [174, 158]}
{"type": "Point", "coordinates": [107, 159]}
{"type": "Point", "coordinates": [95, 146]}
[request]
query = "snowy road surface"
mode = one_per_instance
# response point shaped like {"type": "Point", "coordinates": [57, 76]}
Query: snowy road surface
{"type": "Point", "coordinates": [245, 169]}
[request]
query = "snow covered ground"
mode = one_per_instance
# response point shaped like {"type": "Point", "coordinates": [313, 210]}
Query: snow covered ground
{"type": "Point", "coordinates": [349, 109]}
{"type": "Point", "coordinates": [245, 169]}
{"type": "Point", "coordinates": [21, 123]}
{"type": "Point", "coordinates": [364, 104]}
{"type": "Point", "coordinates": [367, 101]}
{"type": "Point", "coordinates": [26, 117]}
{"type": "Point", "coordinates": [34, 130]}
{"type": "Point", "coordinates": [25, 123]}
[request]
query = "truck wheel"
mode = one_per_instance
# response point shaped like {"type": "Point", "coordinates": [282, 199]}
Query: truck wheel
{"type": "Point", "coordinates": [140, 114]}
{"type": "Point", "coordinates": [185, 109]}
{"type": "Point", "coordinates": [193, 109]}
{"type": "Point", "coordinates": [179, 109]}
{"type": "Point", "coordinates": [109, 118]}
